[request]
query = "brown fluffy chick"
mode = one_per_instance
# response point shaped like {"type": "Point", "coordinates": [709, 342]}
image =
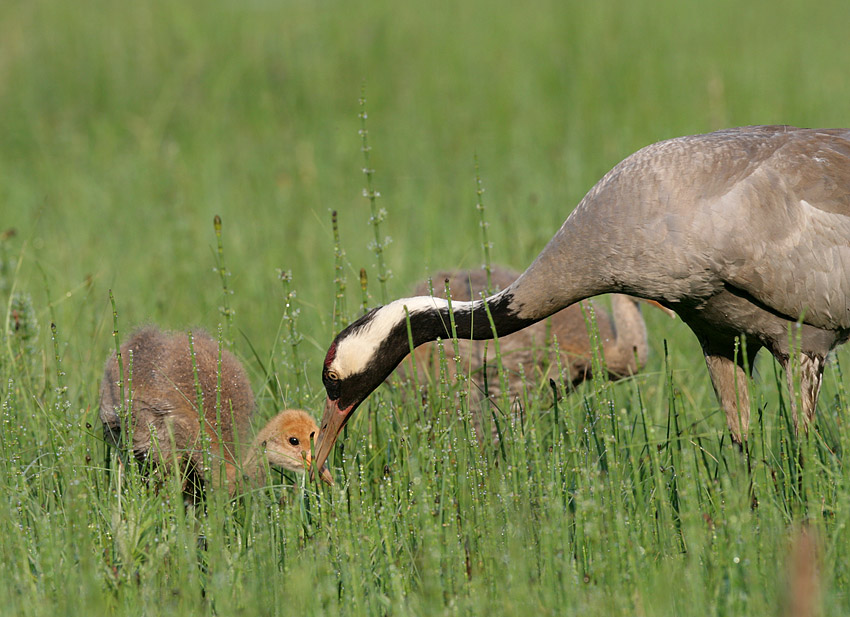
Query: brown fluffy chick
{"type": "Point", "coordinates": [622, 334]}
{"type": "Point", "coordinates": [162, 391]}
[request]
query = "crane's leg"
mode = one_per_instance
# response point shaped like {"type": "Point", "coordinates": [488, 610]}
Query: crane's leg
{"type": "Point", "coordinates": [730, 378]}
{"type": "Point", "coordinates": [811, 376]}
{"type": "Point", "coordinates": [730, 386]}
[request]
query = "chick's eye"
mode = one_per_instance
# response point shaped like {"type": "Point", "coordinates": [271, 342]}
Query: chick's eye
{"type": "Point", "coordinates": [293, 441]}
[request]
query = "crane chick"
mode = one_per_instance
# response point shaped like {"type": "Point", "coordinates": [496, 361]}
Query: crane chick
{"type": "Point", "coordinates": [162, 382]}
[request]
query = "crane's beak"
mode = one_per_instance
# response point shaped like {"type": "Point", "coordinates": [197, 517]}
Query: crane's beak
{"type": "Point", "coordinates": [326, 476]}
{"type": "Point", "coordinates": [333, 420]}
{"type": "Point", "coordinates": [324, 473]}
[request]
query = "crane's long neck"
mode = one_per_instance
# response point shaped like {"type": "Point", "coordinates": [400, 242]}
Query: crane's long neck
{"type": "Point", "coordinates": [368, 350]}
{"type": "Point", "coordinates": [560, 276]}
{"type": "Point", "coordinates": [571, 267]}
{"type": "Point", "coordinates": [576, 264]}
{"type": "Point", "coordinates": [479, 319]}
{"type": "Point", "coordinates": [525, 302]}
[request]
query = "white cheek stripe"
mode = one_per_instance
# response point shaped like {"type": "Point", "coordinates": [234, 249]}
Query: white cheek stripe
{"type": "Point", "coordinates": [354, 352]}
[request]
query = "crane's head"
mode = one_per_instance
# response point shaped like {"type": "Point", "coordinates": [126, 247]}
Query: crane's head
{"type": "Point", "coordinates": [364, 354]}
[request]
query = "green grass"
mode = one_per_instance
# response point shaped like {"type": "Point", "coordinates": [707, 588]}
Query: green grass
{"type": "Point", "coordinates": [126, 127]}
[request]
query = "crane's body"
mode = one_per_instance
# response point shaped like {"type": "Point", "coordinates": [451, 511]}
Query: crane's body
{"type": "Point", "coordinates": [762, 210]}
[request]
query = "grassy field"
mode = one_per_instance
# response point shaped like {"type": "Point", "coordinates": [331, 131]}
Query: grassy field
{"type": "Point", "coordinates": [126, 127]}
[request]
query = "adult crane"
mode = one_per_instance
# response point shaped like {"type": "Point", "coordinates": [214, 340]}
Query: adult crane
{"type": "Point", "coordinates": [741, 232]}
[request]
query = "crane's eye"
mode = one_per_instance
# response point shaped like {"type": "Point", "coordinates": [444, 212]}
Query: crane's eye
{"type": "Point", "coordinates": [332, 383]}
{"type": "Point", "coordinates": [294, 441]}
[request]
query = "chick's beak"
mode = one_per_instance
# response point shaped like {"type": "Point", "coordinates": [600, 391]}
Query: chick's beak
{"type": "Point", "coordinates": [333, 420]}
